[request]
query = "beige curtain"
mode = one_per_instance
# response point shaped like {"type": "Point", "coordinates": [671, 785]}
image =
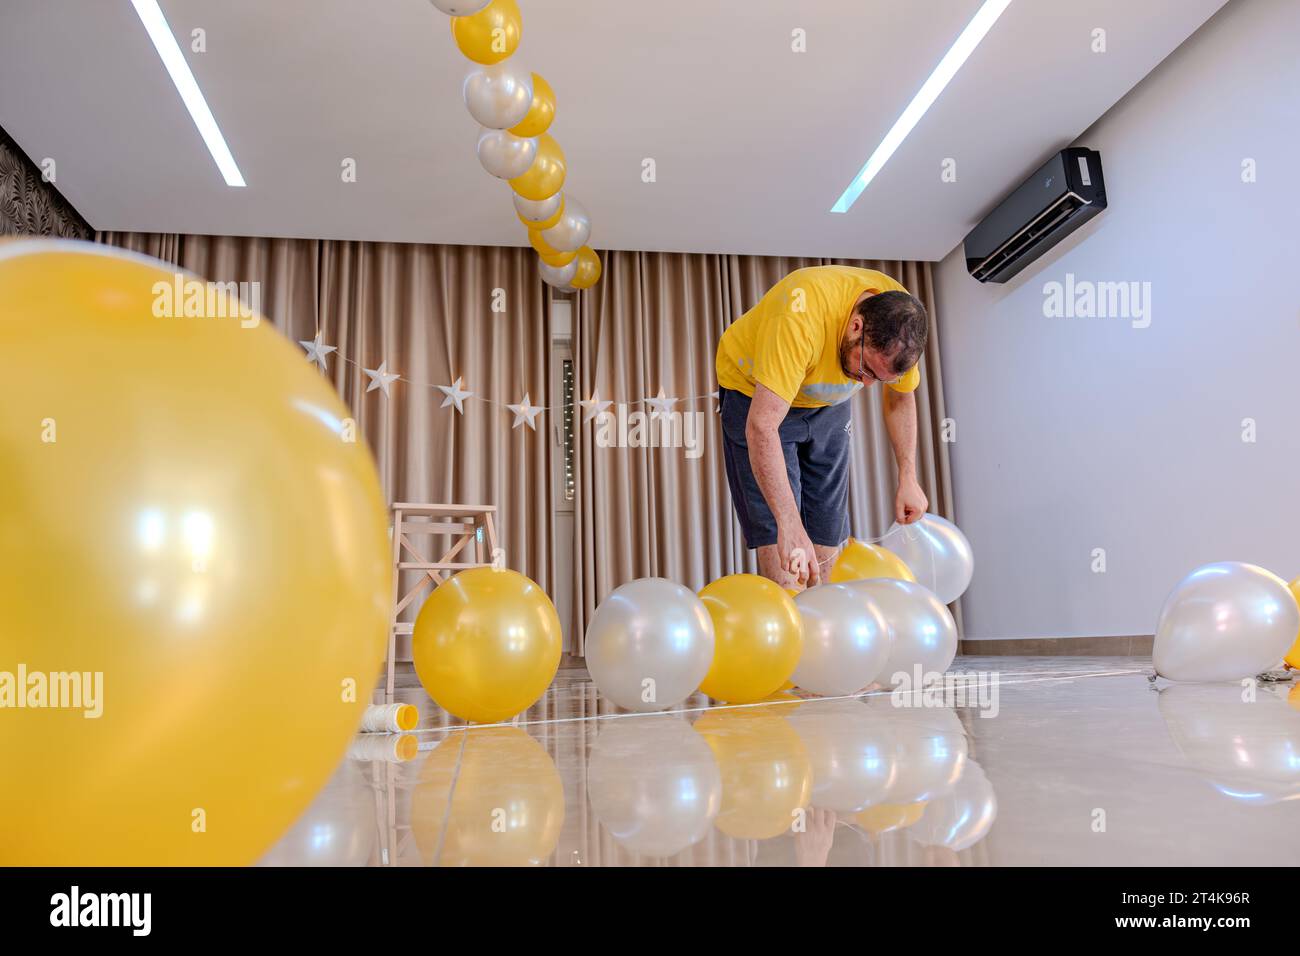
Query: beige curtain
{"type": "Point", "coordinates": [433, 313]}
{"type": "Point", "coordinates": [653, 322]}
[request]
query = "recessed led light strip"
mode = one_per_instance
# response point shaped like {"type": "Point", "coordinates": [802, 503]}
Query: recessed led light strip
{"type": "Point", "coordinates": [969, 39]}
{"type": "Point", "coordinates": [179, 70]}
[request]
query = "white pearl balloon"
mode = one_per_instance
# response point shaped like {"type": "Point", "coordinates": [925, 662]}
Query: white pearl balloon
{"type": "Point", "coordinates": [851, 751]}
{"type": "Point", "coordinates": [936, 552]}
{"type": "Point", "coordinates": [922, 631]}
{"type": "Point", "coordinates": [499, 96]}
{"type": "Point", "coordinates": [845, 641]}
{"type": "Point", "coordinates": [505, 155]}
{"type": "Point", "coordinates": [1225, 621]}
{"type": "Point", "coordinates": [572, 231]}
{"type": "Point", "coordinates": [460, 8]}
{"type": "Point", "coordinates": [558, 276]}
{"type": "Point", "coordinates": [653, 784]}
{"type": "Point", "coordinates": [649, 644]}
{"type": "Point", "coordinates": [538, 210]}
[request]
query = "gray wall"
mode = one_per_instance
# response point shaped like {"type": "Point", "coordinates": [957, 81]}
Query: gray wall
{"type": "Point", "coordinates": [1080, 433]}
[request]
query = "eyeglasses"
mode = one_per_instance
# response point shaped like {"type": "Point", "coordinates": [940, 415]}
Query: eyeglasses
{"type": "Point", "coordinates": [866, 369]}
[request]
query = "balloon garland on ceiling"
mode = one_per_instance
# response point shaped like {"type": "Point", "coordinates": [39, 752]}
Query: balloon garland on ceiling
{"type": "Point", "coordinates": [515, 108]}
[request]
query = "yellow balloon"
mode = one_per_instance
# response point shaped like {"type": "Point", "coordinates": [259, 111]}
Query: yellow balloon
{"type": "Point", "coordinates": [588, 273]}
{"type": "Point", "coordinates": [496, 801]}
{"type": "Point", "coordinates": [547, 223]}
{"type": "Point", "coordinates": [550, 255]}
{"type": "Point", "coordinates": [540, 113]}
{"type": "Point", "coordinates": [766, 773]}
{"type": "Point", "coordinates": [884, 817]}
{"type": "Point", "coordinates": [487, 644]}
{"type": "Point", "coordinates": [858, 560]}
{"type": "Point", "coordinates": [186, 527]}
{"type": "Point", "coordinates": [490, 35]}
{"type": "Point", "coordinates": [757, 638]}
{"type": "Point", "coordinates": [1293, 655]}
{"type": "Point", "coordinates": [545, 177]}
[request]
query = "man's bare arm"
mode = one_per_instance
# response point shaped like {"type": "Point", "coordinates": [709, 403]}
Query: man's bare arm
{"type": "Point", "coordinates": [900, 422]}
{"type": "Point", "coordinates": [766, 412]}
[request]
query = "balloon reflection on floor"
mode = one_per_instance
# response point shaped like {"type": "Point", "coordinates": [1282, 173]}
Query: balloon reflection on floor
{"type": "Point", "coordinates": [1244, 740]}
{"type": "Point", "coordinates": [488, 797]}
{"type": "Point", "coordinates": [653, 783]}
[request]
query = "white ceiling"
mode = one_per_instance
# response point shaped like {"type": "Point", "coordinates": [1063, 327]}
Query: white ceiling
{"type": "Point", "coordinates": [752, 142]}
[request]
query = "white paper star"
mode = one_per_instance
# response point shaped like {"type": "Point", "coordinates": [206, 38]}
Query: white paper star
{"type": "Point", "coordinates": [381, 378]}
{"type": "Point", "coordinates": [317, 350]}
{"type": "Point", "coordinates": [594, 406]}
{"type": "Point", "coordinates": [660, 405]}
{"type": "Point", "coordinates": [456, 395]}
{"type": "Point", "coordinates": [525, 413]}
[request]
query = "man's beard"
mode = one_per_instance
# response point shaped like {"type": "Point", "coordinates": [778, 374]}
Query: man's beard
{"type": "Point", "coordinates": [846, 350]}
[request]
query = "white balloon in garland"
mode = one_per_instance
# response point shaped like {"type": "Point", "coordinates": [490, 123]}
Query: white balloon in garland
{"type": "Point", "coordinates": [538, 210]}
{"type": "Point", "coordinates": [558, 276]}
{"type": "Point", "coordinates": [499, 96]}
{"type": "Point", "coordinates": [460, 8]}
{"type": "Point", "coordinates": [572, 231]}
{"type": "Point", "coordinates": [505, 155]}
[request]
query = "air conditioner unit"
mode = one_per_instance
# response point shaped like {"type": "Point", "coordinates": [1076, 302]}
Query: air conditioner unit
{"type": "Point", "coordinates": [1043, 210]}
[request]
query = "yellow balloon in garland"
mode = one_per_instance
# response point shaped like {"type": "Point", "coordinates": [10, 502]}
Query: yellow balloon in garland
{"type": "Point", "coordinates": [757, 638]}
{"type": "Point", "coordinates": [766, 773]}
{"type": "Point", "coordinates": [491, 35]}
{"type": "Point", "coordinates": [588, 272]}
{"type": "Point", "coordinates": [545, 177]}
{"type": "Point", "coordinates": [541, 113]}
{"type": "Point", "coordinates": [858, 560]}
{"type": "Point", "coordinates": [187, 530]}
{"type": "Point", "coordinates": [1293, 655]}
{"type": "Point", "coordinates": [550, 255]}
{"type": "Point", "coordinates": [486, 644]}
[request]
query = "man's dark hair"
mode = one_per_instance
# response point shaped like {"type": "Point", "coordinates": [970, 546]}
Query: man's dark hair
{"type": "Point", "coordinates": [895, 324]}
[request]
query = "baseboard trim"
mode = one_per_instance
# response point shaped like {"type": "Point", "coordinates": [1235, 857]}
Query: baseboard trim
{"type": "Point", "coordinates": [1136, 645]}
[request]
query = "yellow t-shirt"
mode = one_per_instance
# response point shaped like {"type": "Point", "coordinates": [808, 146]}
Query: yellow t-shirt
{"type": "Point", "coordinates": [790, 341]}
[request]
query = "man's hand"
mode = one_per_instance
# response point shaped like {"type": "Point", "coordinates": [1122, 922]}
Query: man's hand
{"type": "Point", "coordinates": [812, 847]}
{"type": "Point", "coordinates": [797, 555]}
{"type": "Point", "coordinates": [910, 502]}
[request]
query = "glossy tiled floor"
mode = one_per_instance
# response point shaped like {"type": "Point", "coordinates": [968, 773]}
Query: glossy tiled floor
{"type": "Point", "coordinates": [1060, 761]}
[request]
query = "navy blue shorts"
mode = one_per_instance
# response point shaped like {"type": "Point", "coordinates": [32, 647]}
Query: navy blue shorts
{"type": "Point", "coordinates": [815, 442]}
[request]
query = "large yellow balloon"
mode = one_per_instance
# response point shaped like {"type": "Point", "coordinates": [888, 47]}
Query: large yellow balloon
{"type": "Point", "coordinates": [542, 111]}
{"type": "Point", "coordinates": [185, 524]}
{"type": "Point", "coordinates": [766, 774]}
{"type": "Point", "coordinates": [858, 560]}
{"type": "Point", "coordinates": [491, 35]}
{"type": "Point", "coordinates": [487, 644]}
{"type": "Point", "coordinates": [549, 254]}
{"type": "Point", "coordinates": [488, 796]}
{"type": "Point", "coordinates": [588, 272]}
{"type": "Point", "coordinates": [545, 177]}
{"type": "Point", "coordinates": [1293, 655]}
{"type": "Point", "coordinates": [757, 638]}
